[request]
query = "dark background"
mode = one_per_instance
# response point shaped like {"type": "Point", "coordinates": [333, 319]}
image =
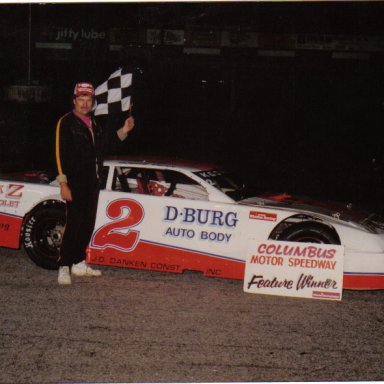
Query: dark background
{"type": "Point", "coordinates": [308, 124]}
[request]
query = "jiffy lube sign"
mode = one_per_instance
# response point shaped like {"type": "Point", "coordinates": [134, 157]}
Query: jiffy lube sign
{"type": "Point", "coordinates": [294, 269]}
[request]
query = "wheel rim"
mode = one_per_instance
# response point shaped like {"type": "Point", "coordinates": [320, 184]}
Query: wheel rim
{"type": "Point", "coordinates": [48, 237]}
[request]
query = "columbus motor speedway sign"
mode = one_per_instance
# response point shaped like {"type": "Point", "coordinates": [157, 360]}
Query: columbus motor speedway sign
{"type": "Point", "coordinates": [294, 269]}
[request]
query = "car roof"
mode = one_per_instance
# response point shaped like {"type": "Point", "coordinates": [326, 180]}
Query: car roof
{"type": "Point", "coordinates": [159, 161]}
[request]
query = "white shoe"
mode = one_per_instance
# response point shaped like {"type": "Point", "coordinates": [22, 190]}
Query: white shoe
{"type": "Point", "coordinates": [64, 276]}
{"type": "Point", "coordinates": [82, 269]}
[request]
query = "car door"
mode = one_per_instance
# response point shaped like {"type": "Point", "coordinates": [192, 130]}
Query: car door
{"type": "Point", "coordinates": [161, 219]}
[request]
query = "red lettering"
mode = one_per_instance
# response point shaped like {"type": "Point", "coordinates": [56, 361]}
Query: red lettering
{"type": "Point", "coordinates": [107, 236]}
{"type": "Point", "coordinates": [261, 248]}
{"type": "Point", "coordinates": [311, 252]}
{"type": "Point", "coordinates": [300, 252]}
{"type": "Point", "coordinates": [13, 189]}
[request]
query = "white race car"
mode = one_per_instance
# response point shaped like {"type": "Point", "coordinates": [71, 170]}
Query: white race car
{"type": "Point", "coordinates": [175, 216]}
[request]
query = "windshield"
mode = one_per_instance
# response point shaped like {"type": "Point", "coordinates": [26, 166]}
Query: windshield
{"type": "Point", "coordinates": [227, 182]}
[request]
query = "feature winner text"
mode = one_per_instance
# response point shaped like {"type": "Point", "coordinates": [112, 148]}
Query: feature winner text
{"type": "Point", "coordinates": [304, 281]}
{"type": "Point", "coordinates": [202, 217]}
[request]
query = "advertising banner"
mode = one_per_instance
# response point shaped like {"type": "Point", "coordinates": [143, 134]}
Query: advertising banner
{"type": "Point", "coordinates": [294, 269]}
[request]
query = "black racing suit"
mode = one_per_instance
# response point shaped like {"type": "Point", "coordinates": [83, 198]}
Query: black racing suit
{"type": "Point", "coordinates": [79, 161]}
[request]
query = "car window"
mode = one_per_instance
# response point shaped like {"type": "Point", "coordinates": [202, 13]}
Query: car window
{"type": "Point", "coordinates": [104, 175]}
{"type": "Point", "coordinates": [228, 183]}
{"type": "Point", "coordinates": [157, 182]}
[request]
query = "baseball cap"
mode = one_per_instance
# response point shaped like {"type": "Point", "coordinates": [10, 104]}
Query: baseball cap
{"type": "Point", "coordinates": [83, 89]}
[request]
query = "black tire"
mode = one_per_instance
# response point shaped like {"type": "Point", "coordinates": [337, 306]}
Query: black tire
{"type": "Point", "coordinates": [42, 235]}
{"type": "Point", "coordinates": [310, 232]}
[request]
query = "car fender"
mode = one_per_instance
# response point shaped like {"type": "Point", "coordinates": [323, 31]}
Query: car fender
{"type": "Point", "coordinates": [22, 199]}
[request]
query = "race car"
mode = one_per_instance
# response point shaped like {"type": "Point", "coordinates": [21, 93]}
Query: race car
{"type": "Point", "coordinates": [173, 216]}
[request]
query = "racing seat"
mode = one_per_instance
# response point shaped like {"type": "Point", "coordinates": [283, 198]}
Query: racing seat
{"type": "Point", "coordinates": [156, 188]}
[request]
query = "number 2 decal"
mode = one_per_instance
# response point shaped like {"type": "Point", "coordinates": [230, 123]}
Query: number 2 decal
{"type": "Point", "coordinates": [125, 213]}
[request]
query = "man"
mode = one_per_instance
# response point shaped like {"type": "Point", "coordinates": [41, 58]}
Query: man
{"type": "Point", "coordinates": [80, 143]}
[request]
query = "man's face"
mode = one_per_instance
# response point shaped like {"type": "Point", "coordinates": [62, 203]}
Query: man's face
{"type": "Point", "coordinates": [83, 104]}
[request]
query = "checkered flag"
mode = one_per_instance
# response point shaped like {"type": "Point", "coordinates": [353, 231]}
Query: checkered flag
{"type": "Point", "coordinates": [114, 95]}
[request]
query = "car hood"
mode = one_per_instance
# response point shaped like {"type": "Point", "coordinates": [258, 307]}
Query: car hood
{"type": "Point", "coordinates": [337, 211]}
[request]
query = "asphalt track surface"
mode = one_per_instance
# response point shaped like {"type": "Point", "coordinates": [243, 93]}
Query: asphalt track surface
{"type": "Point", "coordinates": [140, 326]}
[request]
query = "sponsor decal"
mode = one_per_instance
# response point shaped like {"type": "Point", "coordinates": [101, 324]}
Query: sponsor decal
{"type": "Point", "coordinates": [185, 233]}
{"type": "Point", "coordinates": [10, 225]}
{"type": "Point", "coordinates": [294, 269]}
{"type": "Point", "coordinates": [118, 242]}
{"type": "Point", "coordinates": [10, 194]}
{"type": "Point", "coordinates": [164, 258]}
{"type": "Point", "coordinates": [265, 216]}
{"type": "Point", "coordinates": [326, 295]}
{"type": "Point", "coordinates": [14, 191]}
{"type": "Point", "coordinates": [9, 203]}
{"type": "Point", "coordinates": [4, 227]}
{"type": "Point", "coordinates": [125, 215]}
{"type": "Point", "coordinates": [138, 264]}
{"type": "Point", "coordinates": [203, 218]}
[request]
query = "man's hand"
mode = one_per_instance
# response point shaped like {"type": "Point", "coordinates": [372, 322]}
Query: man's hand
{"type": "Point", "coordinates": [128, 125]}
{"type": "Point", "coordinates": [65, 192]}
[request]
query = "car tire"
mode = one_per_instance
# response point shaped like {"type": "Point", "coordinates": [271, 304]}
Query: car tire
{"type": "Point", "coordinates": [310, 232]}
{"type": "Point", "coordinates": [42, 235]}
